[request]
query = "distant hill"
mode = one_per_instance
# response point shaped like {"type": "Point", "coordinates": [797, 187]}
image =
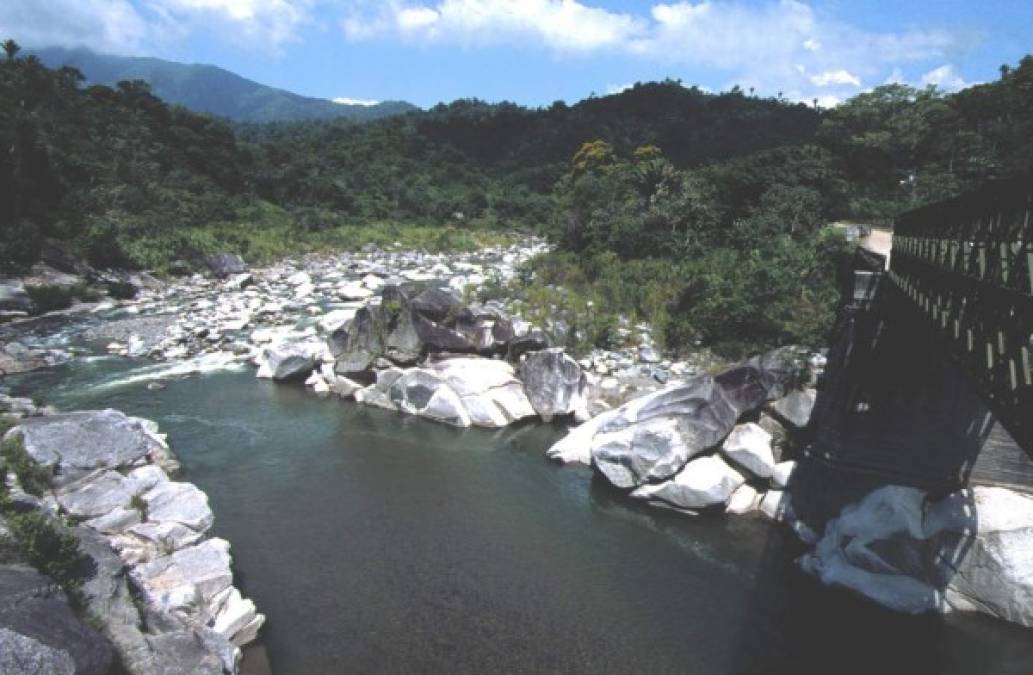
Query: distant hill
{"type": "Point", "coordinates": [211, 89]}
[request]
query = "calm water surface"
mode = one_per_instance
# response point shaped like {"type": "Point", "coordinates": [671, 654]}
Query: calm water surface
{"type": "Point", "coordinates": [377, 543]}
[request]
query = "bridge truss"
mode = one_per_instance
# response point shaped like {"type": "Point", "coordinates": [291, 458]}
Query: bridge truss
{"type": "Point", "coordinates": [967, 265]}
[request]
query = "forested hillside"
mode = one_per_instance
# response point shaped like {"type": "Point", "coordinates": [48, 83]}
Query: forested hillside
{"type": "Point", "coordinates": [701, 212]}
{"type": "Point", "coordinates": [210, 89]}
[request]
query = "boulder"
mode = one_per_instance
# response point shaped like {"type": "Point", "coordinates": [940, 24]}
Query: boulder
{"type": "Point", "coordinates": [749, 447]}
{"type": "Point", "coordinates": [409, 322]}
{"type": "Point", "coordinates": [705, 409]}
{"type": "Point", "coordinates": [287, 362]}
{"type": "Point", "coordinates": [222, 265]}
{"type": "Point", "coordinates": [488, 389]}
{"type": "Point", "coordinates": [555, 384]}
{"type": "Point", "coordinates": [421, 392]}
{"type": "Point", "coordinates": [970, 551]}
{"type": "Point", "coordinates": [703, 482]}
{"type": "Point", "coordinates": [653, 450]}
{"type": "Point", "coordinates": [39, 633]}
{"type": "Point", "coordinates": [795, 408]}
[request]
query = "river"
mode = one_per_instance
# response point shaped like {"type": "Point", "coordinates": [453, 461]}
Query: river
{"type": "Point", "coordinates": [388, 544]}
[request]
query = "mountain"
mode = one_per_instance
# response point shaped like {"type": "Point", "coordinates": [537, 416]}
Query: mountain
{"type": "Point", "coordinates": [211, 89]}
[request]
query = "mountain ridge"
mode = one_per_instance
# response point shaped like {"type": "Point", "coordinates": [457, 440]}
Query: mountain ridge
{"type": "Point", "coordinates": [210, 89]}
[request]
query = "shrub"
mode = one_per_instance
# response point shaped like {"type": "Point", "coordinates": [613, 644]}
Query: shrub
{"type": "Point", "coordinates": [49, 547]}
{"type": "Point", "coordinates": [34, 478]}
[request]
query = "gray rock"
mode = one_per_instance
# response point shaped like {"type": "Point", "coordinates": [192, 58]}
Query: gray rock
{"type": "Point", "coordinates": [223, 265]}
{"type": "Point", "coordinates": [181, 503]}
{"type": "Point", "coordinates": [555, 384]}
{"type": "Point", "coordinates": [96, 495]}
{"type": "Point", "coordinates": [39, 633]}
{"type": "Point", "coordinates": [288, 362]}
{"type": "Point", "coordinates": [184, 582]}
{"type": "Point", "coordinates": [78, 443]}
{"type": "Point", "coordinates": [705, 407]}
{"type": "Point", "coordinates": [23, 655]}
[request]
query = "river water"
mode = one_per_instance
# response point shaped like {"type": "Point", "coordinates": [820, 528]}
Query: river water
{"type": "Point", "coordinates": [377, 543]}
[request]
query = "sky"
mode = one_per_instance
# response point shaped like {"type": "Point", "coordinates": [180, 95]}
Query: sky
{"type": "Point", "coordinates": [535, 52]}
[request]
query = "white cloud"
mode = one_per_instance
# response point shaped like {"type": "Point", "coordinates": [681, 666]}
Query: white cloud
{"type": "Point", "coordinates": [618, 88]}
{"type": "Point", "coordinates": [945, 78]}
{"type": "Point", "coordinates": [109, 25]}
{"type": "Point", "coordinates": [344, 100]}
{"type": "Point", "coordinates": [267, 21]}
{"type": "Point", "coordinates": [774, 45]}
{"type": "Point", "coordinates": [831, 77]}
{"type": "Point", "coordinates": [132, 26]}
{"type": "Point", "coordinates": [562, 25]}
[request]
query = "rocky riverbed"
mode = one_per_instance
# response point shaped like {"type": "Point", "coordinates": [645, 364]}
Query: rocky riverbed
{"type": "Point", "coordinates": [403, 331]}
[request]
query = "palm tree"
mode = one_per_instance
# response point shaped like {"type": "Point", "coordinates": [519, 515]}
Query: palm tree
{"type": "Point", "coordinates": [11, 48]}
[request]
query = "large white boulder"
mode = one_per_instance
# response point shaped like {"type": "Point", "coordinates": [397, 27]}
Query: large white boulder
{"type": "Point", "coordinates": [749, 447]}
{"type": "Point", "coordinates": [652, 450]}
{"type": "Point", "coordinates": [703, 482]}
{"type": "Point", "coordinates": [972, 550]}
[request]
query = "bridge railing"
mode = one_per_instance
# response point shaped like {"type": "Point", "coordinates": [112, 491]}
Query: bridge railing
{"type": "Point", "coordinates": [967, 264]}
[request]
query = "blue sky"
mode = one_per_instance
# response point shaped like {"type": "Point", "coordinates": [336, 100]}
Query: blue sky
{"type": "Point", "coordinates": [537, 51]}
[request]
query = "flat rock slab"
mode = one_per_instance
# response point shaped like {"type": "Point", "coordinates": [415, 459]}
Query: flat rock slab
{"type": "Point", "coordinates": [79, 442]}
{"type": "Point", "coordinates": [181, 503]}
{"type": "Point", "coordinates": [98, 496]}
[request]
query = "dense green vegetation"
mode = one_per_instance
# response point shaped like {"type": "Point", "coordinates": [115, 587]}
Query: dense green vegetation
{"type": "Point", "coordinates": [210, 89]}
{"type": "Point", "coordinates": [703, 213]}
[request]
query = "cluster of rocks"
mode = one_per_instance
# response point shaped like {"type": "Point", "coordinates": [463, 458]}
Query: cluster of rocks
{"type": "Point", "coordinates": [903, 548]}
{"type": "Point", "coordinates": [161, 588]}
{"type": "Point", "coordinates": [684, 448]}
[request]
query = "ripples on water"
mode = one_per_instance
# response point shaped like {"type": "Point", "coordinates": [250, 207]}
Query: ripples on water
{"type": "Point", "coordinates": [379, 543]}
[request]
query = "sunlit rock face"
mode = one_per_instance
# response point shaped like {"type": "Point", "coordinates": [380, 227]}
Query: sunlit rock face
{"type": "Point", "coordinates": [970, 551]}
